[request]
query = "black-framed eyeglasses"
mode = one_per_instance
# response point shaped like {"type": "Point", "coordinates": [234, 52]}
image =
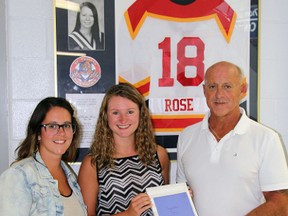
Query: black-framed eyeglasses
{"type": "Point", "coordinates": [53, 128]}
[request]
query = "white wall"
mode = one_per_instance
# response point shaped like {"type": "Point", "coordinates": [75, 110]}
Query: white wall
{"type": "Point", "coordinates": [4, 93]}
{"type": "Point", "coordinates": [273, 68]}
{"type": "Point", "coordinates": [30, 76]}
{"type": "Point", "coordinates": [30, 62]}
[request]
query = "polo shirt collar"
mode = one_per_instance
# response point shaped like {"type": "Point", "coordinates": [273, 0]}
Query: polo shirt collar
{"type": "Point", "coordinates": [241, 127]}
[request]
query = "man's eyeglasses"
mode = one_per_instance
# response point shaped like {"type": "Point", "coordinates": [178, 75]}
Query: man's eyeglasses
{"type": "Point", "coordinates": [53, 128]}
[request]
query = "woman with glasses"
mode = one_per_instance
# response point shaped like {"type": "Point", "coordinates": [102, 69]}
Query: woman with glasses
{"type": "Point", "coordinates": [40, 182]}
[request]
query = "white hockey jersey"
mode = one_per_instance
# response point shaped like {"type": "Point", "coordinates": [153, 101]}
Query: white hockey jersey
{"type": "Point", "coordinates": [164, 48]}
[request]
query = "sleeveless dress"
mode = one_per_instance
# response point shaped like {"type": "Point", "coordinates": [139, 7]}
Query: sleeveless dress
{"type": "Point", "coordinates": [129, 177]}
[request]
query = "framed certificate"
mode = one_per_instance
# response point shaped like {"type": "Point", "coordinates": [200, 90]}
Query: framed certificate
{"type": "Point", "coordinates": [173, 199]}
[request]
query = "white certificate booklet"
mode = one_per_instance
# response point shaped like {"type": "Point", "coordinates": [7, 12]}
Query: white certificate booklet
{"type": "Point", "coordinates": [171, 200]}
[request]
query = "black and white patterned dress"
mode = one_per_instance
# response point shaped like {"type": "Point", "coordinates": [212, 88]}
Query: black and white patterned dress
{"type": "Point", "coordinates": [129, 177]}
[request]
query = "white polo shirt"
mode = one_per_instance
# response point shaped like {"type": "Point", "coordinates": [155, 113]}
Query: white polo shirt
{"type": "Point", "coordinates": [228, 177]}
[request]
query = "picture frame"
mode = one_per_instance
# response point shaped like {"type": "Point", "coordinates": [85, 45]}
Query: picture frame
{"type": "Point", "coordinates": [84, 73]}
{"type": "Point", "coordinates": [68, 59]}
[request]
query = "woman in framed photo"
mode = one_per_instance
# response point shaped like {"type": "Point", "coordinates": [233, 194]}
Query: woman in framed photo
{"type": "Point", "coordinates": [86, 34]}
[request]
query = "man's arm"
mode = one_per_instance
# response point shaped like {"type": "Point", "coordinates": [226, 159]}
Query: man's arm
{"type": "Point", "coordinates": [276, 204]}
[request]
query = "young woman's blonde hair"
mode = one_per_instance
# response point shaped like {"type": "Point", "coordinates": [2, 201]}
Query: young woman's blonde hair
{"type": "Point", "coordinates": [102, 148]}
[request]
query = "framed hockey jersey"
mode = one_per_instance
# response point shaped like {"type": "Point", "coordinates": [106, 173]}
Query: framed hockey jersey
{"type": "Point", "coordinates": [163, 47]}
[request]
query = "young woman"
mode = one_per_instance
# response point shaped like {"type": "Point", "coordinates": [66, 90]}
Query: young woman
{"type": "Point", "coordinates": [124, 159]}
{"type": "Point", "coordinates": [39, 182]}
{"type": "Point", "coordinates": [86, 34]}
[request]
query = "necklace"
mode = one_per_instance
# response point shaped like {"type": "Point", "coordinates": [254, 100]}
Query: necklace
{"type": "Point", "coordinates": [214, 133]}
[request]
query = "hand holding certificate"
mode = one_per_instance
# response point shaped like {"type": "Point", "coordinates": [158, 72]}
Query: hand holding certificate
{"type": "Point", "coordinates": [171, 200]}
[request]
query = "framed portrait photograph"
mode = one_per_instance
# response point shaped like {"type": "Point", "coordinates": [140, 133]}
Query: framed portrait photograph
{"type": "Point", "coordinates": [86, 26]}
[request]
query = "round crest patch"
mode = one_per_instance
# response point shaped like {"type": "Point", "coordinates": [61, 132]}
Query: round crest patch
{"type": "Point", "coordinates": [85, 71]}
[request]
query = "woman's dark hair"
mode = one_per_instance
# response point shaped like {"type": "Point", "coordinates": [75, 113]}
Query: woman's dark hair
{"type": "Point", "coordinates": [95, 28]}
{"type": "Point", "coordinates": [30, 143]}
